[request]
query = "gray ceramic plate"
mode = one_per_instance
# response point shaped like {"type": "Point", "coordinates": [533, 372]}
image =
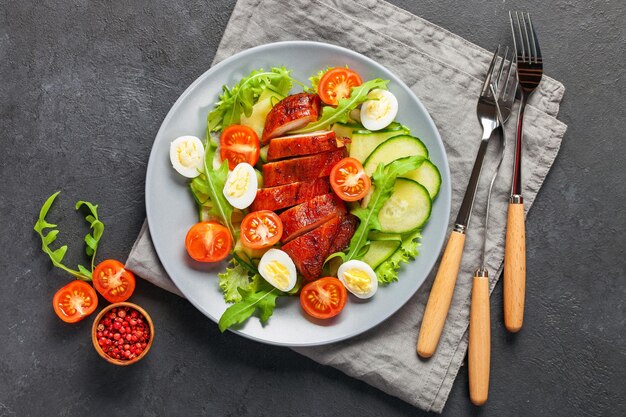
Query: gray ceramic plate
{"type": "Point", "coordinates": [171, 211]}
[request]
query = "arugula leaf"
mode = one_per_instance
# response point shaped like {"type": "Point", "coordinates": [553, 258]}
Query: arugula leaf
{"type": "Point", "coordinates": [240, 99]}
{"type": "Point", "coordinates": [234, 278]}
{"type": "Point", "coordinates": [340, 113]}
{"type": "Point", "coordinates": [384, 179]}
{"type": "Point", "coordinates": [263, 300]}
{"type": "Point", "coordinates": [91, 239]}
{"type": "Point", "coordinates": [56, 256]}
{"type": "Point", "coordinates": [211, 183]}
{"type": "Point", "coordinates": [388, 271]}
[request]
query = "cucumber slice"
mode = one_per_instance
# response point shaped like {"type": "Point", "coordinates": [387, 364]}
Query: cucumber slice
{"type": "Point", "coordinates": [263, 153]}
{"type": "Point", "coordinates": [428, 175]}
{"type": "Point", "coordinates": [344, 130]}
{"type": "Point", "coordinates": [379, 251]}
{"type": "Point", "coordinates": [394, 148]}
{"type": "Point", "coordinates": [256, 120]}
{"type": "Point", "coordinates": [364, 141]}
{"type": "Point", "coordinates": [407, 209]}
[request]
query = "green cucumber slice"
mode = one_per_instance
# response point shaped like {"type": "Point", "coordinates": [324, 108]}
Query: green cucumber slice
{"type": "Point", "coordinates": [407, 209]}
{"type": "Point", "coordinates": [428, 175]}
{"type": "Point", "coordinates": [394, 148]}
{"type": "Point", "coordinates": [263, 153]}
{"type": "Point", "coordinates": [364, 141]}
{"type": "Point", "coordinates": [379, 251]}
{"type": "Point", "coordinates": [344, 130]}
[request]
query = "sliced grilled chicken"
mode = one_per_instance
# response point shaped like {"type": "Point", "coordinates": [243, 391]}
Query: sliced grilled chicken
{"type": "Point", "coordinates": [345, 231]}
{"type": "Point", "coordinates": [304, 144]}
{"type": "Point", "coordinates": [307, 216]}
{"type": "Point", "coordinates": [310, 250]}
{"type": "Point", "coordinates": [304, 168]}
{"type": "Point", "coordinates": [291, 113]}
{"type": "Point", "coordinates": [276, 198]}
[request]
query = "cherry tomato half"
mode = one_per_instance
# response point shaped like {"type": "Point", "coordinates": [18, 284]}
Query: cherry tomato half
{"type": "Point", "coordinates": [208, 242]}
{"type": "Point", "coordinates": [349, 180]}
{"type": "Point", "coordinates": [114, 282]}
{"type": "Point", "coordinates": [336, 84]}
{"type": "Point", "coordinates": [75, 301]}
{"type": "Point", "coordinates": [261, 229]}
{"type": "Point", "coordinates": [324, 298]}
{"type": "Point", "coordinates": [239, 144]}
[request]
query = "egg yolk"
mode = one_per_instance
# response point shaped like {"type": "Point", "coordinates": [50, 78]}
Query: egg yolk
{"type": "Point", "coordinates": [278, 274]}
{"type": "Point", "coordinates": [377, 106]}
{"type": "Point", "coordinates": [188, 154]}
{"type": "Point", "coordinates": [358, 281]}
{"type": "Point", "coordinates": [238, 183]}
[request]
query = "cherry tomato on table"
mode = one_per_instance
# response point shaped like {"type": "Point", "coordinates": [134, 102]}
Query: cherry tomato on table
{"type": "Point", "coordinates": [349, 180]}
{"type": "Point", "coordinates": [336, 84]}
{"type": "Point", "coordinates": [239, 144]}
{"type": "Point", "coordinates": [75, 301]}
{"type": "Point", "coordinates": [261, 229]}
{"type": "Point", "coordinates": [324, 298]}
{"type": "Point", "coordinates": [208, 242]}
{"type": "Point", "coordinates": [114, 282]}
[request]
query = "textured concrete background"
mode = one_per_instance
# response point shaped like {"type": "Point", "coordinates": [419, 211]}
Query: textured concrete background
{"type": "Point", "coordinates": [84, 87]}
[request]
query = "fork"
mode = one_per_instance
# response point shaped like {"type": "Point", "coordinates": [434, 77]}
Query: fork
{"type": "Point", "coordinates": [443, 286]}
{"type": "Point", "coordinates": [529, 72]}
{"type": "Point", "coordinates": [479, 355]}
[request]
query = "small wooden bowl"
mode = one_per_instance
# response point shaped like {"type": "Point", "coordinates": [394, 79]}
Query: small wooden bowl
{"type": "Point", "coordinates": [94, 331]}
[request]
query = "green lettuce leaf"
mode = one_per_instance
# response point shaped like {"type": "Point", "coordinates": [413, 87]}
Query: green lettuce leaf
{"type": "Point", "coordinates": [315, 80]}
{"type": "Point", "coordinates": [388, 271]}
{"type": "Point", "coordinates": [384, 179]}
{"type": "Point", "coordinates": [234, 278]}
{"type": "Point", "coordinates": [341, 112]}
{"type": "Point", "coordinates": [264, 301]}
{"type": "Point", "coordinates": [240, 99]}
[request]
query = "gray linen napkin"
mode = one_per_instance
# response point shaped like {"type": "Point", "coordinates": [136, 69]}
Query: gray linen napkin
{"type": "Point", "coordinates": [445, 72]}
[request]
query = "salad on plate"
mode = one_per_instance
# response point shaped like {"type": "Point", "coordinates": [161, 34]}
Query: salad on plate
{"type": "Point", "coordinates": [316, 194]}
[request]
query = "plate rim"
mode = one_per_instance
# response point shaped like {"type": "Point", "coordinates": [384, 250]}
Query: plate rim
{"type": "Point", "coordinates": [242, 54]}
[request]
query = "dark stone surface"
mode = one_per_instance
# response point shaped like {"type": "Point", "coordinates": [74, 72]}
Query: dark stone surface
{"type": "Point", "coordinates": [84, 87]}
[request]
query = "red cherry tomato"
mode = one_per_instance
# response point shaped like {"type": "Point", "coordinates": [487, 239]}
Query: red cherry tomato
{"type": "Point", "coordinates": [336, 84]}
{"type": "Point", "coordinates": [349, 180]}
{"type": "Point", "coordinates": [75, 301]}
{"type": "Point", "coordinates": [324, 298]}
{"type": "Point", "coordinates": [114, 282]}
{"type": "Point", "coordinates": [239, 144]}
{"type": "Point", "coordinates": [261, 229]}
{"type": "Point", "coordinates": [208, 242]}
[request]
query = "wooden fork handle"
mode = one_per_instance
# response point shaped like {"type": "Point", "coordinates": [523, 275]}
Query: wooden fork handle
{"type": "Point", "coordinates": [514, 268]}
{"type": "Point", "coordinates": [440, 296]}
{"type": "Point", "coordinates": [479, 351]}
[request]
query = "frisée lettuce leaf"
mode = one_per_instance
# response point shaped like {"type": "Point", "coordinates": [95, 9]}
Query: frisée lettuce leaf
{"type": "Point", "coordinates": [387, 272]}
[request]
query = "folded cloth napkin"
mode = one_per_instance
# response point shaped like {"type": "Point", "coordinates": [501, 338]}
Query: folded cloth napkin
{"type": "Point", "coordinates": [446, 73]}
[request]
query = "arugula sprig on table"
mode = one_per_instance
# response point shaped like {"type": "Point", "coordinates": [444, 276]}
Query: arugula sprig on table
{"type": "Point", "coordinates": [91, 239]}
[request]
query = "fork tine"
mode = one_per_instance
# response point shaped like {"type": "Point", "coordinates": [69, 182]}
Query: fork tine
{"type": "Point", "coordinates": [510, 94]}
{"type": "Point", "coordinates": [518, 39]}
{"type": "Point", "coordinates": [501, 69]}
{"type": "Point", "coordinates": [534, 39]}
{"type": "Point", "coordinates": [526, 39]}
{"type": "Point", "coordinates": [487, 82]}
